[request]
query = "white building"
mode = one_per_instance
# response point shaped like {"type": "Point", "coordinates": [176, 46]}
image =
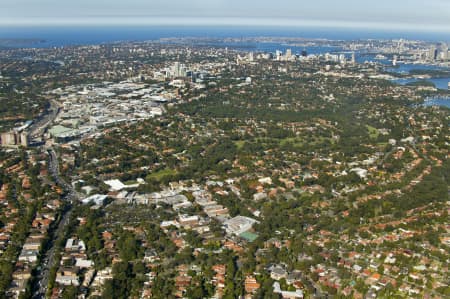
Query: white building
{"type": "Point", "coordinates": [239, 224]}
{"type": "Point", "coordinates": [98, 199]}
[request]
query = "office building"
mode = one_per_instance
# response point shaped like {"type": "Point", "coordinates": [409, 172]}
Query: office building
{"type": "Point", "coordinates": [14, 139]}
{"type": "Point", "coordinates": [432, 53]}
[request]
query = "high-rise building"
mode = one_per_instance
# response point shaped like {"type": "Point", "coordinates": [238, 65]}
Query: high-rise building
{"type": "Point", "coordinates": [278, 55]}
{"type": "Point", "coordinates": [8, 139]}
{"type": "Point", "coordinates": [178, 70]}
{"type": "Point", "coordinates": [251, 57]}
{"type": "Point", "coordinates": [288, 53]}
{"type": "Point", "coordinates": [432, 53]}
{"type": "Point", "coordinates": [23, 139]}
{"type": "Point", "coordinates": [444, 52]}
{"type": "Point", "coordinates": [14, 139]}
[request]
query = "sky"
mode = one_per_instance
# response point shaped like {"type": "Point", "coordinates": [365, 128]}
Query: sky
{"type": "Point", "coordinates": [423, 15]}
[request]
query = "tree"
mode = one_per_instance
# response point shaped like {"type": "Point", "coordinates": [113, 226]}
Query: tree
{"type": "Point", "coordinates": [69, 292]}
{"type": "Point", "coordinates": [128, 246]}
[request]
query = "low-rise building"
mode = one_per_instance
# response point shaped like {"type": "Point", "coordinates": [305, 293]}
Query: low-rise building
{"type": "Point", "coordinates": [67, 276]}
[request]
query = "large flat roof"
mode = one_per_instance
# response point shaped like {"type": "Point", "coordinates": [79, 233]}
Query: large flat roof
{"type": "Point", "coordinates": [58, 130]}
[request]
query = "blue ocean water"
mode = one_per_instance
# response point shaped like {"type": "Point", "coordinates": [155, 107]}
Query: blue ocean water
{"type": "Point", "coordinates": [83, 35]}
{"type": "Point", "coordinates": [406, 68]}
{"type": "Point", "coordinates": [440, 83]}
{"type": "Point", "coordinates": [443, 102]}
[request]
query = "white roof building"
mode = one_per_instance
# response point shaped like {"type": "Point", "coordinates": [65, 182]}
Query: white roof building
{"type": "Point", "coordinates": [239, 224]}
{"type": "Point", "coordinates": [74, 244]}
{"type": "Point", "coordinates": [98, 199]}
{"type": "Point", "coordinates": [286, 294]}
{"type": "Point", "coordinates": [116, 185]}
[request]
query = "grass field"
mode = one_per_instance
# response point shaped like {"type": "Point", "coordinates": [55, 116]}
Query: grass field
{"type": "Point", "coordinates": [239, 144]}
{"type": "Point", "coordinates": [373, 132]}
{"type": "Point", "coordinates": [162, 173]}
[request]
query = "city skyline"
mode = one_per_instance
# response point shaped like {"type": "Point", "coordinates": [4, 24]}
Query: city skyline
{"type": "Point", "coordinates": [385, 15]}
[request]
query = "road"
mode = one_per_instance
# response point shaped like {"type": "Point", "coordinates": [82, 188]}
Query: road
{"type": "Point", "coordinates": [71, 197]}
{"type": "Point", "coordinates": [48, 260]}
{"type": "Point", "coordinates": [39, 126]}
{"type": "Point", "coordinates": [316, 289]}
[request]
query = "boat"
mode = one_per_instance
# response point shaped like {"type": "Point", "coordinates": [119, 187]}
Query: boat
{"type": "Point", "coordinates": [380, 56]}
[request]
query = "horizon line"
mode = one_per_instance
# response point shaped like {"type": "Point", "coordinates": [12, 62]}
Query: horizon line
{"type": "Point", "coordinates": [228, 21]}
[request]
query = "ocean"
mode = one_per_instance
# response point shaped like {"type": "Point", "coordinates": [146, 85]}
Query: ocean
{"type": "Point", "coordinates": [438, 101]}
{"type": "Point", "coordinates": [88, 35]}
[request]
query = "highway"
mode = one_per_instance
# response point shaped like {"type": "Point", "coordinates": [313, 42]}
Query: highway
{"type": "Point", "coordinates": [37, 129]}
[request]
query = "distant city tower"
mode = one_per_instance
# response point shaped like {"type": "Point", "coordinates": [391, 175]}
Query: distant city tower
{"type": "Point", "coordinates": [288, 53]}
{"type": "Point", "coordinates": [394, 60]}
{"type": "Point", "coordinates": [432, 54]}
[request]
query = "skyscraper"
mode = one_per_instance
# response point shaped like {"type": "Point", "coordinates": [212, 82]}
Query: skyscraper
{"type": "Point", "coordinates": [288, 53]}
{"type": "Point", "coordinates": [444, 52]}
{"type": "Point", "coordinates": [432, 53]}
{"type": "Point", "coordinates": [394, 60]}
{"type": "Point", "coordinates": [278, 55]}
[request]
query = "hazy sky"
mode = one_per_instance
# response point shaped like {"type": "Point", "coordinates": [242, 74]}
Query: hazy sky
{"type": "Point", "coordinates": [433, 15]}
